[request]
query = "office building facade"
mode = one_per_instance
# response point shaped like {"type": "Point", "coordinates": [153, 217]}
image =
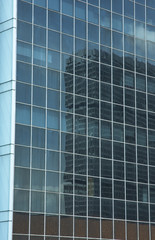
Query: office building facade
{"type": "Point", "coordinates": [77, 133]}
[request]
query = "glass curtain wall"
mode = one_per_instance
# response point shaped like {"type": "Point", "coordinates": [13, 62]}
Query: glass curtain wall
{"type": "Point", "coordinates": [85, 130]}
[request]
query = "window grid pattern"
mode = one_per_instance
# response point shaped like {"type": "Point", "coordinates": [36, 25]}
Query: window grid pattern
{"type": "Point", "coordinates": [85, 132]}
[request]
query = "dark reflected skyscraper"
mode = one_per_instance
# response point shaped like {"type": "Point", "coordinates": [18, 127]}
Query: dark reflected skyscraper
{"type": "Point", "coordinates": [77, 132]}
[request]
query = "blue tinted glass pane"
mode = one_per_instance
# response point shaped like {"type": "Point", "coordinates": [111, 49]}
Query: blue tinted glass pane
{"type": "Point", "coordinates": [150, 3]}
{"type": "Point", "coordinates": [105, 18]}
{"type": "Point", "coordinates": [39, 96]}
{"type": "Point", "coordinates": [93, 33]}
{"type": "Point", "coordinates": [140, 30]}
{"type": "Point", "coordinates": [150, 50]}
{"type": "Point", "coordinates": [24, 52]}
{"type": "Point", "coordinates": [67, 102]}
{"type": "Point", "coordinates": [67, 25]}
{"type": "Point", "coordinates": [53, 40]}
{"type": "Point", "coordinates": [66, 122]}
{"type": "Point", "coordinates": [53, 100]}
{"type": "Point", "coordinates": [39, 16]}
{"type": "Point", "coordinates": [140, 12]}
{"type": "Point", "coordinates": [80, 29]}
{"type": "Point", "coordinates": [67, 82]}
{"type": "Point", "coordinates": [67, 7]}
{"type": "Point", "coordinates": [52, 140]}
{"type": "Point", "coordinates": [22, 135]}
{"type": "Point", "coordinates": [80, 47]}
{"type": "Point", "coordinates": [23, 72]}
{"type": "Point", "coordinates": [37, 180]}
{"type": "Point", "coordinates": [39, 56]}
{"type": "Point", "coordinates": [53, 20]}
{"type": "Point", "coordinates": [38, 158]}
{"type": "Point", "coordinates": [105, 37]}
{"type": "Point", "coordinates": [53, 79]}
{"type": "Point", "coordinates": [151, 68]}
{"type": "Point", "coordinates": [80, 10]}
{"type": "Point", "coordinates": [105, 4]}
{"type": "Point", "coordinates": [39, 76]}
{"type": "Point", "coordinates": [94, 2]}
{"type": "Point", "coordinates": [66, 67]}
{"type": "Point", "coordinates": [23, 93]}
{"type": "Point", "coordinates": [54, 60]}
{"type": "Point", "coordinates": [41, 3]}
{"type": "Point", "coordinates": [24, 31]}
{"type": "Point", "coordinates": [38, 137]}
{"type": "Point", "coordinates": [150, 34]}
{"type": "Point", "coordinates": [39, 37]}
{"type": "Point", "coordinates": [53, 119]}
{"type": "Point", "coordinates": [117, 6]}
{"type": "Point", "coordinates": [24, 11]}
{"type": "Point", "coordinates": [117, 58]}
{"type": "Point", "coordinates": [23, 114]}
{"type": "Point", "coordinates": [52, 160]}
{"type": "Point", "coordinates": [54, 199]}
{"type": "Point", "coordinates": [22, 156]}
{"type": "Point", "coordinates": [117, 40]}
{"type": "Point", "coordinates": [22, 178]}
{"type": "Point", "coordinates": [67, 44]}
{"type": "Point", "coordinates": [129, 80]}
{"type": "Point", "coordinates": [38, 117]}
{"type": "Point", "coordinates": [140, 82]}
{"type": "Point", "coordinates": [150, 13]}
{"type": "Point", "coordinates": [140, 64]}
{"type": "Point", "coordinates": [54, 5]}
{"type": "Point", "coordinates": [93, 14]}
{"type": "Point", "coordinates": [128, 8]}
{"type": "Point", "coordinates": [128, 44]}
{"type": "Point", "coordinates": [117, 22]}
{"type": "Point", "coordinates": [140, 47]}
{"type": "Point", "coordinates": [128, 26]}
{"type": "Point", "coordinates": [52, 182]}
{"type": "Point", "coordinates": [140, 1]}
{"type": "Point", "coordinates": [129, 61]}
{"type": "Point", "coordinates": [93, 50]}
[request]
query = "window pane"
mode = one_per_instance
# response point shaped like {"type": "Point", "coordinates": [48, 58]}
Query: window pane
{"type": "Point", "coordinates": [38, 158]}
{"type": "Point", "coordinates": [38, 180]}
{"type": "Point", "coordinates": [39, 16]}
{"type": "Point", "coordinates": [39, 56]}
{"type": "Point", "coordinates": [24, 31]}
{"type": "Point", "coordinates": [39, 36]}
{"type": "Point", "coordinates": [38, 137]}
{"type": "Point", "coordinates": [39, 76]}
{"type": "Point", "coordinates": [24, 52]}
{"type": "Point", "coordinates": [38, 117]}
{"type": "Point", "coordinates": [23, 114]}
{"type": "Point", "coordinates": [52, 182]}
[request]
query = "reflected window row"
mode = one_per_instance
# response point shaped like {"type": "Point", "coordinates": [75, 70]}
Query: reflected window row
{"type": "Point", "coordinates": [80, 25]}
{"type": "Point", "coordinates": [67, 42]}
{"type": "Point", "coordinates": [23, 116]}
{"type": "Point", "coordinates": [23, 135]}
{"type": "Point", "coordinates": [22, 158]}
{"type": "Point", "coordinates": [24, 53]}
{"type": "Point", "coordinates": [83, 106]}
{"type": "Point", "coordinates": [92, 184]}
{"type": "Point", "coordinates": [53, 79]}
{"type": "Point", "coordinates": [80, 206]}
{"type": "Point", "coordinates": [80, 10]}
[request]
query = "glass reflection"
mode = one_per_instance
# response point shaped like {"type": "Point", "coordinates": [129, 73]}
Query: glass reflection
{"type": "Point", "coordinates": [66, 183]}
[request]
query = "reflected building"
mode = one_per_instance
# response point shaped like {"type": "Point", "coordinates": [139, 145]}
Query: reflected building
{"type": "Point", "coordinates": [77, 94]}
